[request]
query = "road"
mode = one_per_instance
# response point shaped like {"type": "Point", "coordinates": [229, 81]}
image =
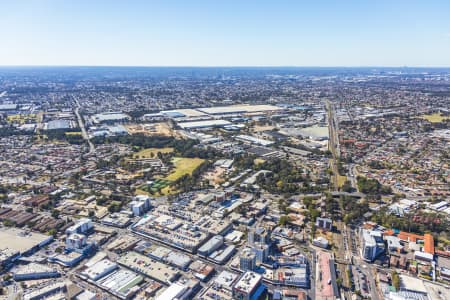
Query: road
{"type": "Point", "coordinates": [333, 144]}
{"type": "Point", "coordinates": [83, 129]}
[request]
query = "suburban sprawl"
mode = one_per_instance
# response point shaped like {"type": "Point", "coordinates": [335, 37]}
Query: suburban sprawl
{"type": "Point", "coordinates": [224, 183]}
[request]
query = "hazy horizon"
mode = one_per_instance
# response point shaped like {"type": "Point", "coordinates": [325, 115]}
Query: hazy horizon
{"type": "Point", "coordinates": [233, 33]}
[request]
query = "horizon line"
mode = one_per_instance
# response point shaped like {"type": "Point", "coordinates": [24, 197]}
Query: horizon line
{"type": "Point", "coordinates": [221, 66]}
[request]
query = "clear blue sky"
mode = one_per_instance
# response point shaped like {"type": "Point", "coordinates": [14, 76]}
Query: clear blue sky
{"type": "Point", "coordinates": [225, 33]}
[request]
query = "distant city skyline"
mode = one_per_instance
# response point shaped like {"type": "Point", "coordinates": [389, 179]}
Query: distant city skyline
{"type": "Point", "coordinates": [226, 33]}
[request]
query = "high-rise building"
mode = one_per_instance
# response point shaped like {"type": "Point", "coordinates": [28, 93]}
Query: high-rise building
{"type": "Point", "coordinates": [372, 244]}
{"type": "Point", "coordinates": [261, 251]}
{"type": "Point", "coordinates": [258, 235]}
{"type": "Point", "coordinates": [247, 260]}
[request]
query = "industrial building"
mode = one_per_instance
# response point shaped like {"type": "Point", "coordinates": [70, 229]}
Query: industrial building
{"type": "Point", "coordinates": [59, 125]}
{"type": "Point", "coordinates": [253, 140]}
{"type": "Point", "coordinates": [239, 109]}
{"type": "Point", "coordinates": [109, 117]}
{"type": "Point", "coordinates": [204, 124]}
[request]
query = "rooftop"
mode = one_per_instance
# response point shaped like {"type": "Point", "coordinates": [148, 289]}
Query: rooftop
{"type": "Point", "coordinates": [248, 282]}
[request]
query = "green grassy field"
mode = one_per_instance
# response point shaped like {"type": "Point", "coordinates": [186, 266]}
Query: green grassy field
{"type": "Point", "coordinates": [147, 153]}
{"type": "Point", "coordinates": [183, 166]}
{"type": "Point", "coordinates": [434, 118]}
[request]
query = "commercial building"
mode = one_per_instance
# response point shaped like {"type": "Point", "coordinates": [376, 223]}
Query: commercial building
{"type": "Point", "coordinates": [20, 243]}
{"type": "Point", "coordinates": [140, 205]}
{"type": "Point", "coordinates": [210, 246]}
{"type": "Point", "coordinates": [46, 291]}
{"type": "Point", "coordinates": [247, 260]}
{"type": "Point", "coordinates": [221, 287]}
{"type": "Point", "coordinates": [99, 269]}
{"type": "Point", "coordinates": [122, 283]}
{"type": "Point", "coordinates": [75, 241]}
{"type": "Point", "coordinates": [248, 287]}
{"type": "Point", "coordinates": [34, 271]}
{"type": "Point", "coordinates": [372, 244]}
{"type": "Point", "coordinates": [324, 223]}
{"type": "Point", "coordinates": [298, 277]}
{"type": "Point", "coordinates": [261, 251]}
{"type": "Point", "coordinates": [149, 267]}
{"type": "Point", "coordinates": [171, 231]}
{"type": "Point", "coordinates": [321, 242]}
{"type": "Point", "coordinates": [82, 226]}
{"type": "Point", "coordinates": [180, 290]}
{"type": "Point", "coordinates": [258, 235]}
{"type": "Point", "coordinates": [223, 254]}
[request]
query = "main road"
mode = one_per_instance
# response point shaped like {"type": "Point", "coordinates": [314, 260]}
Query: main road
{"type": "Point", "coordinates": [83, 128]}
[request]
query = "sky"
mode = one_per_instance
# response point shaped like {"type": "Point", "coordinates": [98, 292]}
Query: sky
{"type": "Point", "coordinates": [225, 33]}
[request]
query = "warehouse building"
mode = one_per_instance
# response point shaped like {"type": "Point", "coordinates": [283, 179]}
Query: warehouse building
{"type": "Point", "coordinates": [109, 117]}
{"type": "Point", "coordinates": [204, 124]}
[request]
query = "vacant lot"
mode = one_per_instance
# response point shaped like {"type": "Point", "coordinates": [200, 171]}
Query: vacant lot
{"type": "Point", "coordinates": [152, 129]}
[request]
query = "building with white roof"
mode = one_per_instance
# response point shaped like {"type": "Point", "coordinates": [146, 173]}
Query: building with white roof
{"type": "Point", "coordinates": [248, 287]}
{"type": "Point", "coordinates": [100, 269]}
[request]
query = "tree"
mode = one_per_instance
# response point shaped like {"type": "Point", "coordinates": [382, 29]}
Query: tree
{"type": "Point", "coordinates": [55, 213]}
{"type": "Point", "coordinates": [52, 232]}
{"type": "Point", "coordinates": [395, 280]}
{"type": "Point", "coordinates": [284, 220]}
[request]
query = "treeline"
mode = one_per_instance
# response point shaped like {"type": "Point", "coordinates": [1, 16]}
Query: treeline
{"type": "Point", "coordinates": [187, 183]}
{"type": "Point", "coordinates": [10, 131]}
{"type": "Point", "coordinates": [185, 148]}
{"type": "Point", "coordinates": [284, 178]}
{"type": "Point", "coordinates": [436, 223]}
{"type": "Point", "coordinates": [371, 186]}
{"type": "Point", "coordinates": [61, 135]}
